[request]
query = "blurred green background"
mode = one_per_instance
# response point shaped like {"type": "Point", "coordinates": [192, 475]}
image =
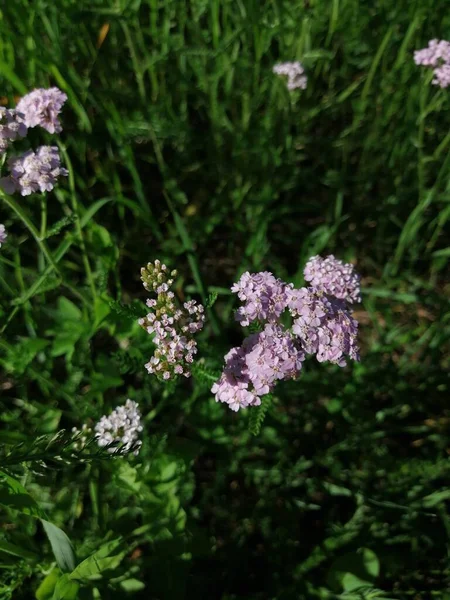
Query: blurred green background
{"type": "Point", "coordinates": [183, 146]}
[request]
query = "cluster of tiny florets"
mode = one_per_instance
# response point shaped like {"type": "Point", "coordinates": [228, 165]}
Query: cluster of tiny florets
{"type": "Point", "coordinates": [295, 73]}
{"type": "Point", "coordinates": [120, 430]}
{"type": "Point", "coordinates": [436, 56]}
{"type": "Point", "coordinates": [252, 370]}
{"type": "Point", "coordinates": [324, 325]}
{"type": "Point", "coordinates": [121, 427]}
{"type": "Point", "coordinates": [41, 107]}
{"type": "Point", "coordinates": [332, 276]}
{"type": "Point", "coordinates": [34, 171]}
{"type": "Point", "coordinates": [263, 295]}
{"type": "Point", "coordinates": [3, 234]}
{"type": "Point", "coordinates": [173, 326]}
{"type": "Point", "coordinates": [321, 325]}
{"type": "Point", "coordinates": [12, 127]}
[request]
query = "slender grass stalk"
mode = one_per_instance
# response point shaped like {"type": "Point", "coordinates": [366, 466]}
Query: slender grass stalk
{"type": "Point", "coordinates": [9, 200]}
{"type": "Point", "coordinates": [184, 237]}
{"type": "Point", "coordinates": [75, 208]}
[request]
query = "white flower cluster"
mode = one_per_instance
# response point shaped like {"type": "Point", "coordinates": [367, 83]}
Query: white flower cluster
{"type": "Point", "coordinates": [122, 427]}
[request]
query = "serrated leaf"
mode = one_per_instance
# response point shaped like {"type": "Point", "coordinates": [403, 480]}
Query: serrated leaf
{"type": "Point", "coordinates": [60, 225]}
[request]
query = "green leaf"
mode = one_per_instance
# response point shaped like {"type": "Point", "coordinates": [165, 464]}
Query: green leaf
{"type": "Point", "coordinates": [354, 570]}
{"type": "Point", "coordinates": [46, 590]}
{"type": "Point", "coordinates": [258, 414]}
{"type": "Point", "coordinates": [100, 561]}
{"type": "Point", "coordinates": [132, 585]}
{"type": "Point", "coordinates": [14, 550]}
{"type": "Point", "coordinates": [15, 496]}
{"type": "Point", "coordinates": [66, 589]}
{"type": "Point", "coordinates": [61, 546]}
{"type": "Point", "coordinates": [435, 498]}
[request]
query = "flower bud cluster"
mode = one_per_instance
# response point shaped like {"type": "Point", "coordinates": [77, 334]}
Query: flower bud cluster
{"type": "Point", "coordinates": [173, 326]}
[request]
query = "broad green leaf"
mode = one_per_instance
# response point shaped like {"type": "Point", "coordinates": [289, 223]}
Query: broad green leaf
{"type": "Point", "coordinates": [66, 589]}
{"type": "Point", "coordinates": [61, 546]}
{"type": "Point", "coordinates": [46, 590]}
{"type": "Point", "coordinates": [353, 570]}
{"type": "Point", "coordinates": [100, 561]}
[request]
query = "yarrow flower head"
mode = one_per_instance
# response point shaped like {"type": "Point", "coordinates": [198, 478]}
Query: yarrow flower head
{"type": "Point", "coordinates": [41, 107]}
{"type": "Point", "coordinates": [333, 277]}
{"type": "Point", "coordinates": [34, 171]}
{"type": "Point", "coordinates": [252, 370]}
{"type": "Point", "coordinates": [121, 428]}
{"type": "Point", "coordinates": [295, 73]}
{"type": "Point", "coordinates": [321, 325]}
{"type": "Point", "coordinates": [173, 326]}
{"type": "Point", "coordinates": [263, 295]}
{"type": "Point", "coordinates": [436, 56]}
{"type": "Point", "coordinates": [3, 234]}
{"type": "Point", "coordinates": [12, 127]}
{"type": "Point", "coordinates": [324, 326]}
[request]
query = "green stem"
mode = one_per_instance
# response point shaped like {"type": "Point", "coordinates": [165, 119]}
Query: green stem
{"type": "Point", "coordinates": [29, 225]}
{"type": "Point", "coordinates": [74, 203]}
{"type": "Point", "coordinates": [420, 142]}
{"type": "Point", "coordinates": [184, 236]}
{"type": "Point", "coordinates": [43, 216]}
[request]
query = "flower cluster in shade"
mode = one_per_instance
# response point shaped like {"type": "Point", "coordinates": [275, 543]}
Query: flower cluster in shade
{"type": "Point", "coordinates": [119, 431]}
{"type": "Point", "coordinates": [41, 107]}
{"type": "Point", "coordinates": [437, 57]}
{"type": "Point", "coordinates": [295, 73]}
{"type": "Point", "coordinates": [320, 324]}
{"type": "Point", "coordinates": [173, 325]}
{"type": "Point", "coordinates": [3, 234]}
{"type": "Point", "coordinates": [33, 171]}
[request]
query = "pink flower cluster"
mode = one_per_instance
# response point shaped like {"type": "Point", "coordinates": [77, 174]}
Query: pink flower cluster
{"type": "Point", "coordinates": [34, 171]}
{"type": "Point", "coordinates": [41, 107]}
{"type": "Point", "coordinates": [173, 327]}
{"type": "Point", "coordinates": [436, 56]}
{"type": "Point", "coordinates": [333, 277]}
{"type": "Point", "coordinates": [12, 127]}
{"type": "Point", "coordinates": [3, 234]}
{"type": "Point", "coordinates": [321, 325]}
{"type": "Point", "coordinates": [263, 295]}
{"type": "Point", "coordinates": [295, 73]}
{"type": "Point", "coordinates": [252, 370]}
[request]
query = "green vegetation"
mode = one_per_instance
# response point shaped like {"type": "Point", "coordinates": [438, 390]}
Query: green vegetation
{"type": "Point", "coordinates": [182, 145]}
